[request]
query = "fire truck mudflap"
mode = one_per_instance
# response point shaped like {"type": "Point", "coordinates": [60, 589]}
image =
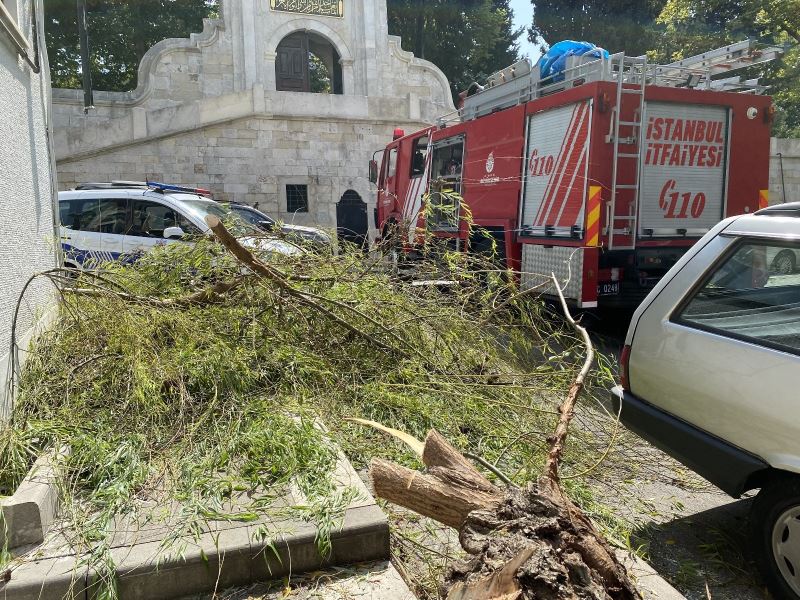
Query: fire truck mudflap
{"type": "Point", "coordinates": [554, 197]}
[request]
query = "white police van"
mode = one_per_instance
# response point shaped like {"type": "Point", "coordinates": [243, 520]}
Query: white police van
{"type": "Point", "coordinates": [103, 222]}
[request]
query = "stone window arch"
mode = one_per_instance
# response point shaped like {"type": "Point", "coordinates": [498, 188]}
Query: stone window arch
{"type": "Point", "coordinates": [307, 62]}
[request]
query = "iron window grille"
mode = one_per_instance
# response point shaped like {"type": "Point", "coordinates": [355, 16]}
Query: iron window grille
{"type": "Point", "coordinates": [296, 198]}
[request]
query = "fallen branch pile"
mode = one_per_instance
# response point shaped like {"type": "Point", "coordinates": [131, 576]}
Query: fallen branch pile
{"type": "Point", "coordinates": [198, 373]}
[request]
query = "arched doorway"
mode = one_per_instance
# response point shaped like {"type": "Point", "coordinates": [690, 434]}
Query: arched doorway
{"type": "Point", "coordinates": [307, 62]}
{"type": "Point", "coordinates": [351, 219]}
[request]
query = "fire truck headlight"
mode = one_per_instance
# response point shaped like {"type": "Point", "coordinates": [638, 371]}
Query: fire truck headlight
{"type": "Point", "coordinates": [752, 113]}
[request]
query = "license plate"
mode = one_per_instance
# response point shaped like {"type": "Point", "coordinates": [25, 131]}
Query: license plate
{"type": "Point", "coordinates": [608, 289]}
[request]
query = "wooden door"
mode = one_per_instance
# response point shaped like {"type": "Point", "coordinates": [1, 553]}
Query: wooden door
{"type": "Point", "coordinates": [291, 65]}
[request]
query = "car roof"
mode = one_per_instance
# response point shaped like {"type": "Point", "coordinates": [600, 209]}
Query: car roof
{"type": "Point", "coordinates": [781, 221]}
{"type": "Point", "coordinates": [112, 193]}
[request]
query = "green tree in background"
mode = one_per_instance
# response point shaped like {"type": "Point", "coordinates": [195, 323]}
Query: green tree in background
{"type": "Point", "coordinates": [615, 25]}
{"type": "Point", "coordinates": [468, 39]}
{"type": "Point", "coordinates": [121, 31]}
{"type": "Point", "coordinates": [691, 26]}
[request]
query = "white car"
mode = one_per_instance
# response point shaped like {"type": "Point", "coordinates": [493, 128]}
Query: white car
{"type": "Point", "coordinates": [710, 373]}
{"type": "Point", "coordinates": [104, 222]}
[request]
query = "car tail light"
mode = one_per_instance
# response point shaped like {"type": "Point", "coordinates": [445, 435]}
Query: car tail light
{"type": "Point", "coordinates": [624, 375]}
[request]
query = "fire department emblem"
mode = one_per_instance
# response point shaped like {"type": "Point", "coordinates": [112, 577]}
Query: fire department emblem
{"type": "Point", "coordinates": [490, 162]}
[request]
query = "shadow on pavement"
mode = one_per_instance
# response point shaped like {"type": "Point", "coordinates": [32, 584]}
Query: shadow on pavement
{"type": "Point", "coordinates": [705, 548]}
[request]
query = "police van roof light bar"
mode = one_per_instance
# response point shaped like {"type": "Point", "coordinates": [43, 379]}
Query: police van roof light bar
{"type": "Point", "coordinates": [166, 187]}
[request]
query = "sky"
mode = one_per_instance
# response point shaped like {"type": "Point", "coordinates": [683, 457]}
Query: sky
{"type": "Point", "coordinates": [523, 17]}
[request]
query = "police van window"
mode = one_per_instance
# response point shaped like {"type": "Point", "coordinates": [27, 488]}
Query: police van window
{"type": "Point", "coordinates": [391, 167]}
{"type": "Point", "coordinates": [419, 156]}
{"type": "Point", "coordinates": [80, 215]}
{"type": "Point", "coordinates": [150, 219]}
{"type": "Point", "coordinates": [753, 295]}
{"type": "Point", "coordinates": [113, 217]}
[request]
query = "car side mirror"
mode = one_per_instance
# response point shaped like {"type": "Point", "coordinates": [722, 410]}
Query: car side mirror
{"type": "Point", "coordinates": [373, 171]}
{"type": "Point", "coordinates": [173, 233]}
{"type": "Point", "coordinates": [266, 225]}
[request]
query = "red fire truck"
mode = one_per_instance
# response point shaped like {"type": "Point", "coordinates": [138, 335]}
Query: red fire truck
{"type": "Point", "coordinates": [603, 174]}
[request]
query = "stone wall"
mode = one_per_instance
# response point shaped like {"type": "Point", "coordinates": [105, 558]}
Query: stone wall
{"type": "Point", "coordinates": [251, 160]}
{"type": "Point", "coordinates": [206, 112]}
{"type": "Point", "coordinates": [27, 234]}
{"type": "Point", "coordinates": [784, 156]}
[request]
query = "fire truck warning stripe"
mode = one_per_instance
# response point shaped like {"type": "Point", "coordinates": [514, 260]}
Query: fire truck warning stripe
{"type": "Point", "coordinates": [593, 216]}
{"type": "Point", "coordinates": [573, 203]}
{"type": "Point", "coordinates": [566, 146]}
{"type": "Point", "coordinates": [763, 198]}
{"type": "Point", "coordinates": [568, 149]}
{"type": "Point", "coordinates": [558, 190]}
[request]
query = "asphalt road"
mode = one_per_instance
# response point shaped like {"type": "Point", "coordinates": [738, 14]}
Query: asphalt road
{"type": "Point", "coordinates": [694, 535]}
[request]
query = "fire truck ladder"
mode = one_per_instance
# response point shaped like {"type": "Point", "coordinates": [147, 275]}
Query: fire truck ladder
{"type": "Point", "coordinates": [631, 76]}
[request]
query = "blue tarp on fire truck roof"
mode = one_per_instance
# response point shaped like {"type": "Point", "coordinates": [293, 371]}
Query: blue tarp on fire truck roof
{"type": "Point", "coordinates": [554, 62]}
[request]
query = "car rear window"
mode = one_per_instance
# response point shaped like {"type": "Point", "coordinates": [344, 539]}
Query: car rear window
{"type": "Point", "coordinates": [753, 294]}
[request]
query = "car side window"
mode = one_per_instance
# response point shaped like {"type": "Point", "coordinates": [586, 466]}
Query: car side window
{"type": "Point", "coordinates": [113, 217]}
{"type": "Point", "coordinates": [249, 216]}
{"type": "Point", "coordinates": [80, 215]}
{"type": "Point", "coordinates": [150, 219]}
{"type": "Point", "coordinates": [751, 295]}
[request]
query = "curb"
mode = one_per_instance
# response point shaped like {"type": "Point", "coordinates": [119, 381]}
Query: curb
{"type": "Point", "coordinates": [216, 560]}
{"type": "Point", "coordinates": [29, 513]}
{"type": "Point", "coordinates": [651, 585]}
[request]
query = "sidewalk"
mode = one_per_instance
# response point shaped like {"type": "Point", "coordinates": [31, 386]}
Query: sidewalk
{"type": "Point", "coordinates": [224, 555]}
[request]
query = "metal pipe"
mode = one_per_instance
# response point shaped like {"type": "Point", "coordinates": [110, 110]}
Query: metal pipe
{"type": "Point", "coordinates": [86, 68]}
{"type": "Point", "coordinates": [783, 185]}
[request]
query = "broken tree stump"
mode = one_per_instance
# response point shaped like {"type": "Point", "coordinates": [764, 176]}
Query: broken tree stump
{"type": "Point", "coordinates": [532, 543]}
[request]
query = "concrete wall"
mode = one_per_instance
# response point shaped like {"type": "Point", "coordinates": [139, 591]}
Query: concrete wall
{"type": "Point", "coordinates": [207, 113]}
{"type": "Point", "coordinates": [785, 187]}
{"type": "Point", "coordinates": [26, 220]}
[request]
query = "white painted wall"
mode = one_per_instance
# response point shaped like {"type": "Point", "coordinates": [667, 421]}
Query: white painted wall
{"type": "Point", "coordinates": [27, 234]}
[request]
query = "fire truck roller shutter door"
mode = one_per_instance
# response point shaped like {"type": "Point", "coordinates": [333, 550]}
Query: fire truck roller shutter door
{"type": "Point", "coordinates": [683, 169]}
{"type": "Point", "coordinates": [555, 171]}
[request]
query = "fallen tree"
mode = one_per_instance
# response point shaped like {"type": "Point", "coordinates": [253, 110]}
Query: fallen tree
{"type": "Point", "coordinates": [186, 377]}
{"type": "Point", "coordinates": [533, 543]}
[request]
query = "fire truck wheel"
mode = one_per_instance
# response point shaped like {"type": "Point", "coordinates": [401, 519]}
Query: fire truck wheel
{"type": "Point", "coordinates": [390, 237]}
{"type": "Point", "coordinates": [775, 522]}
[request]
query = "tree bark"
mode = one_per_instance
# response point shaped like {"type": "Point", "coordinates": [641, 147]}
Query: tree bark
{"type": "Point", "coordinates": [445, 496]}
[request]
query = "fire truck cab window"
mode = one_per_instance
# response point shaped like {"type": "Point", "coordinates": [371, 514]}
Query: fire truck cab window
{"type": "Point", "coordinates": [391, 164]}
{"type": "Point", "coordinates": [419, 156]}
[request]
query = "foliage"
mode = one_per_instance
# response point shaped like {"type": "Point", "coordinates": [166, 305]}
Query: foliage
{"type": "Point", "coordinates": [214, 401]}
{"type": "Point", "coordinates": [468, 40]}
{"type": "Point", "coordinates": [120, 32]}
{"type": "Point", "coordinates": [615, 25]}
{"type": "Point", "coordinates": [321, 82]}
{"type": "Point", "coordinates": [692, 26]}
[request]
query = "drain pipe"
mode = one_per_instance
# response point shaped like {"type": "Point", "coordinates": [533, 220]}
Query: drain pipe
{"type": "Point", "coordinates": [783, 185]}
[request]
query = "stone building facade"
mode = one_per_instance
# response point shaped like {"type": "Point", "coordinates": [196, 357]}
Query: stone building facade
{"type": "Point", "coordinates": [213, 111]}
{"type": "Point", "coordinates": [28, 237]}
